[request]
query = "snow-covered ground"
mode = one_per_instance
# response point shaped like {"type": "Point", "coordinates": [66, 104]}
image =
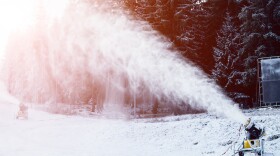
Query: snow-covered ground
{"type": "Point", "coordinates": [47, 134]}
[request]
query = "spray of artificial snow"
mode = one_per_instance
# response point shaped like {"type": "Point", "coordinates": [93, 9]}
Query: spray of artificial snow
{"type": "Point", "coordinates": [5, 97]}
{"type": "Point", "coordinates": [62, 59]}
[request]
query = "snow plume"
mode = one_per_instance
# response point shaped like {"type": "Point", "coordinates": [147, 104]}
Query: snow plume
{"type": "Point", "coordinates": [5, 97]}
{"type": "Point", "coordinates": [102, 53]}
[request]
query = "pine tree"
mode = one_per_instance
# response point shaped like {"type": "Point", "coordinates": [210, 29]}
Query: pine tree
{"type": "Point", "coordinates": [146, 10]}
{"type": "Point", "coordinates": [159, 13]}
{"type": "Point", "coordinates": [227, 66]}
{"type": "Point", "coordinates": [196, 23]}
{"type": "Point", "coordinates": [164, 17]}
{"type": "Point", "coordinates": [272, 35]}
{"type": "Point", "coordinates": [259, 38]}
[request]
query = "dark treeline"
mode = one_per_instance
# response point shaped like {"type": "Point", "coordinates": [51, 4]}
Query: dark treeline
{"type": "Point", "coordinates": [223, 37]}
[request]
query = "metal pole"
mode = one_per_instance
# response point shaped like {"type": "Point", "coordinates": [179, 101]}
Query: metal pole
{"type": "Point", "coordinates": [134, 100]}
{"type": "Point", "coordinates": [258, 84]}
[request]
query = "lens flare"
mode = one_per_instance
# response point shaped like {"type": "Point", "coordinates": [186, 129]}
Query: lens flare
{"type": "Point", "coordinates": [19, 15]}
{"type": "Point", "coordinates": [14, 14]}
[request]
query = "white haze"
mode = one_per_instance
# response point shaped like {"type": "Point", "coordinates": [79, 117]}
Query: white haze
{"type": "Point", "coordinates": [88, 46]}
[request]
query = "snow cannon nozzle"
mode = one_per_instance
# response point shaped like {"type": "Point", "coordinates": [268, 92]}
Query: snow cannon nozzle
{"type": "Point", "coordinates": [253, 131]}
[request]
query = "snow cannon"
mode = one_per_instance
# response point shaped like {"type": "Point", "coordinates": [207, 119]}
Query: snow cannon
{"type": "Point", "coordinates": [253, 142]}
{"type": "Point", "coordinates": [22, 112]}
{"type": "Point", "coordinates": [252, 130]}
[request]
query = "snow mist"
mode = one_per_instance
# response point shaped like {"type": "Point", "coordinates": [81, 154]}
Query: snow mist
{"type": "Point", "coordinates": [92, 50]}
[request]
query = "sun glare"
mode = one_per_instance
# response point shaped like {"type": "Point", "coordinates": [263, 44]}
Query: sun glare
{"type": "Point", "coordinates": [55, 8]}
{"type": "Point", "coordinates": [17, 15]}
{"type": "Point", "coordinates": [14, 15]}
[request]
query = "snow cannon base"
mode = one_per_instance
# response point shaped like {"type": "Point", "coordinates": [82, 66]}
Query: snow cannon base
{"type": "Point", "coordinates": [247, 144]}
{"type": "Point", "coordinates": [22, 115]}
{"type": "Point", "coordinates": [251, 146]}
{"type": "Point", "coordinates": [22, 112]}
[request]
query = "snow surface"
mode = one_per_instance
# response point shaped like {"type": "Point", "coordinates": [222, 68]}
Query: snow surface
{"type": "Point", "coordinates": [47, 134]}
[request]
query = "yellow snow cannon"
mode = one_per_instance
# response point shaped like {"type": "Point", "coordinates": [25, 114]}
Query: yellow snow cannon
{"type": "Point", "coordinates": [253, 142]}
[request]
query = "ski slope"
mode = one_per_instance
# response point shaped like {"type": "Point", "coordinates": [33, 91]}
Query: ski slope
{"type": "Point", "coordinates": [47, 134]}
